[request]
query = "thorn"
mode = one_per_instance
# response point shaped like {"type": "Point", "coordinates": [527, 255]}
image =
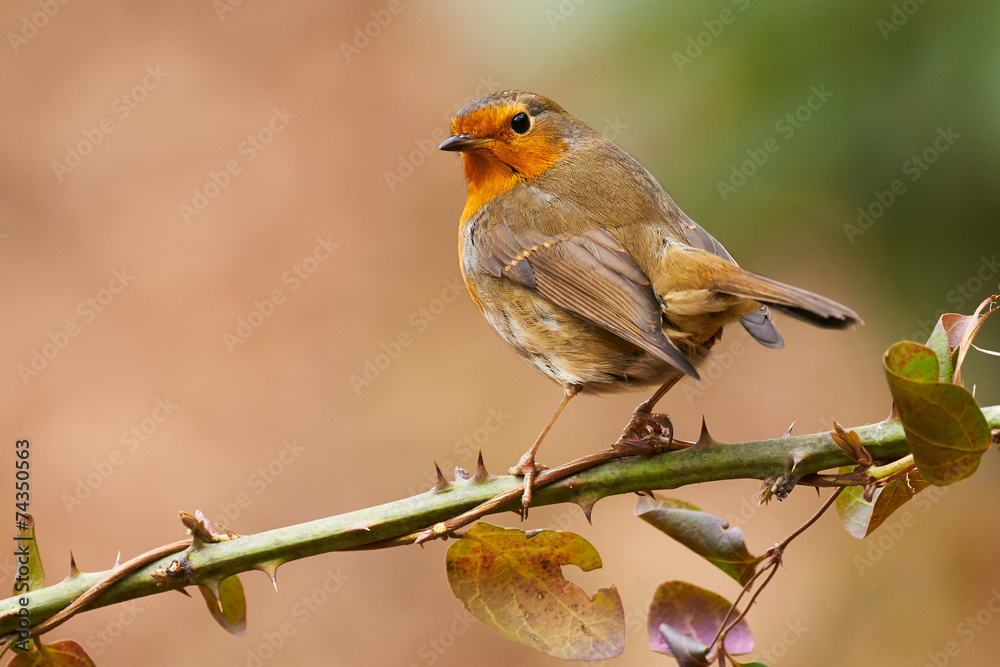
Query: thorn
{"type": "Point", "coordinates": [435, 531]}
{"type": "Point", "coordinates": [789, 431]}
{"type": "Point", "coordinates": [481, 474]}
{"type": "Point", "coordinates": [271, 570]}
{"type": "Point", "coordinates": [74, 571]}
{"type": "Point", "coordinates": [183, 591]}
{"type": "Point", "coordinates": [705, 440]}
{"type": "Point", "coordinates": [362, 526]}
{"type": "Point", "coordinates": [796, 458]}
{"type": "Point", "coordinates": [461, 475]}
{"type": "Point", "coordinates": [118, 561]}
{"type": "Point", "coordinates": [587, 503]}
{"type": "Point", "coordinates": [442, 484]}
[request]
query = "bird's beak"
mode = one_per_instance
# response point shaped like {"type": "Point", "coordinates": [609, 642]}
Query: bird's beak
{"type": "Point", "coordinates": [461, 142]}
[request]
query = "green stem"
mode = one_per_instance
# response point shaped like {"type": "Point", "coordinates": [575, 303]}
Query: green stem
{"type": "Point", "coordinates": [763, 459]}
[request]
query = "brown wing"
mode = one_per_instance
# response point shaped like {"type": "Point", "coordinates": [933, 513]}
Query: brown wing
{"type": "Point", "coordinates": [588, 274]}
{"type": "Point", "coordinates": [758, 323]}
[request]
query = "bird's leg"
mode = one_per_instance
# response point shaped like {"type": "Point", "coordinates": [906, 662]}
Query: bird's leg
{"type": "Point", "coordinates": [527, 466]}
{"type": "Point", "coordinates": [647, 430]}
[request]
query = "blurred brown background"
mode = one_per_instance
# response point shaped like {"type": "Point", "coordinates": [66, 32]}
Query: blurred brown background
{"type": "Point", "coordinates": [165, 169]}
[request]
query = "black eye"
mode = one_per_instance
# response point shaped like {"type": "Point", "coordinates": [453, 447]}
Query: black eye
{"type": "Point", "coordinates": [520, 123]}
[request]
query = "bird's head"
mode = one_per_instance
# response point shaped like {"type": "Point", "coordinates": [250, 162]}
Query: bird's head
{"type": "Point", "coordinates": [506, 138]}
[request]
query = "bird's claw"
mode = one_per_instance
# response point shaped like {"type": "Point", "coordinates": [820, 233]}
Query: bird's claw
{"type": "Point", "coordinates": [527, 468]}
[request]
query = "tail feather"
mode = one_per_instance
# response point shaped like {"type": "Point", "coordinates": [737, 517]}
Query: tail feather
{"type": "Point", "coordinates": [796, 302]}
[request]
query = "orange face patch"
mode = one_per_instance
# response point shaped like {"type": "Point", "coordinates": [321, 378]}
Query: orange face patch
{"type": "Point", "coordinates": [506, 158]}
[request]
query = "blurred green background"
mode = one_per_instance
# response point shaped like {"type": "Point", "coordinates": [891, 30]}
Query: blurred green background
{"type": "Point", "coordinates": [304, 134]}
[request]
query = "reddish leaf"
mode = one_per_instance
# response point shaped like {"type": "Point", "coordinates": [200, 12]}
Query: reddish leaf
{"type": "Point", "coordinates": [696, 614]}
{"type": "Point", "coordinates": [850, 443]}
{"type": "Point", "coordinates": [230, 609]}
{"type": "Point", "coordinates": [946, 429]}
{"type": "Point", "coordinates": [63, 653]}
{"type": "Point", "coordinates": [514, 584]}
{"type": "Point", "coordinates": [945, 340]}
{"type": "Point", "coordinates": [707, 535]}
{"type": "Point", "coordinates": [989, 304]}
{"type": "Point", "coordinates": [894, 495]}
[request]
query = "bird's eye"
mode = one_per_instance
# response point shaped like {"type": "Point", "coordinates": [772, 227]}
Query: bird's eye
{"type": "Point", "coordinates": [520, 123]}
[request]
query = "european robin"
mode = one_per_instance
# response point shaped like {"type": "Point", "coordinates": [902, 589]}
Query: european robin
{"type": "Point", "coordinates": [589, 270]}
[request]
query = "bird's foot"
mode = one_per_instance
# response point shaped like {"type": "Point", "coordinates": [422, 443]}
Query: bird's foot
{"type": "Point", "coordinates": [528, 469]}
{"type": "Point", "coordinates": [648, 433]}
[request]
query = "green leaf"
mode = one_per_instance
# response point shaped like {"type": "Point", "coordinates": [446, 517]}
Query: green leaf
{"type": "Point", "coordinates": [707, 535]}
{"type": "Point", "coordinates": [693, 613]}
{"type": "Point", "coordinates": [26, 550]}
{"type": "Point", "coordinates": [230, 608]}
{"type": "Point", "coordinates": [63, 653]}
{"type": "Point", "coordinates": [514, 584]}
{"type": "Point", "coordinates": [946, 429]}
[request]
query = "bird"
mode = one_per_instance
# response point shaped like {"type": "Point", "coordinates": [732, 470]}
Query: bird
{"type": "Point", "coordinates": [588, 269]}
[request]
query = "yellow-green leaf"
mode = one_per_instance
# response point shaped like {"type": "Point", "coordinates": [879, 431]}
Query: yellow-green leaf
{"type": "Point", "coordinates": [230, 609]}
{"type": "Point", "coordinates": [854, 511]}
{"type": "Point", "coordinates": [514, 584]}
